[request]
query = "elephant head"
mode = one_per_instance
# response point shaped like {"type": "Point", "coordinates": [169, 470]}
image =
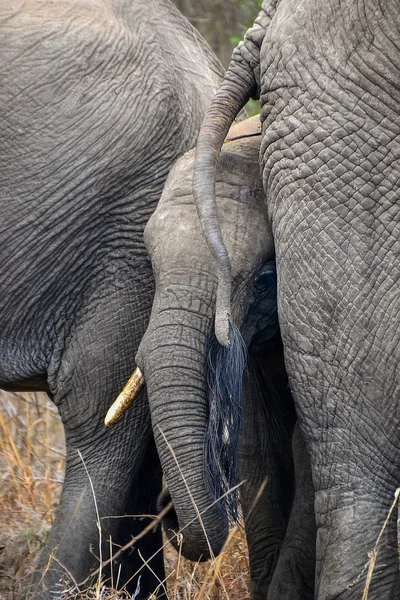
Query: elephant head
{"type": "Point", "coordinates": [195, 427]}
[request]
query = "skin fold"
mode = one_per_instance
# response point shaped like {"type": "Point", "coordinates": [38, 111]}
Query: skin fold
{"type": "Point", "coordinates": [327, 75]}
{"type": "Point", "coordinates": [174, 356]}
{"type": "Point", "coordinates": [97, 100]}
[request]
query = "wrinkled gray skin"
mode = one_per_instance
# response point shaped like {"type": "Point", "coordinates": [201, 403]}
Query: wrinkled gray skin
{"type": "Point", "coordinates": [328, 77]}
{"type": "Point", "coordinates": [97, 100]}
{"type": "Point", "coordinates": [173, 357]}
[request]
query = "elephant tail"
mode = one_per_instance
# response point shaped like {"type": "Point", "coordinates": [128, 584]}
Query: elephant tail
{"type": "Point", "coordinates": [241, 82]}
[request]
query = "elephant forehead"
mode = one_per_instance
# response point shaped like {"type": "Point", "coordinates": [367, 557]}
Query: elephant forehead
{"type": "Point", "coordinates": [238, 177]}
{"type": "Point", "coordinates": [173, 232]}
{"type": "Point", "coordinates": [175, 223]}
{"type": "Point", "coordinates": [239, 161]}
{"type": "Point", "coordinates": [174, 238]}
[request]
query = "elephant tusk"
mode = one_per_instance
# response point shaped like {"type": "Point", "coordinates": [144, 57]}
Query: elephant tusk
{"type": "Point", "coordinates": [126, 398]}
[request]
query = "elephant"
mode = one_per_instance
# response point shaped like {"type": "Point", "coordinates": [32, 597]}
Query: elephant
{"type": "Point", "coordinates": [327, 76]}
{"type": "Point", "coordinates": [98, 99]}
{"type": "Point", "coordinates": [179, 358]}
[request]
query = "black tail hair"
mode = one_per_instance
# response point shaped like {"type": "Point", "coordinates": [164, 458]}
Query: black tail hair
{"type": "Point", "coordinates": [224, 382]}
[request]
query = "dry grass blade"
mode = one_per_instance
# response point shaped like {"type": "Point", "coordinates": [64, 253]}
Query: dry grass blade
{"type": "Point", "coordinates": [150, 527]}
{"type": "Point", "coordinates": [374, 552]}
{"type": "Point", "coordinates": [188, 491]}
{"type": "Point", "coordinates": [97, 523]}
{"type": "Point", "coordinates": [32, 459]}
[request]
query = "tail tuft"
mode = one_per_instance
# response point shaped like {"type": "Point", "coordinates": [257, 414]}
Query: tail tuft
{"type": "Point", "coordinates": [224, 382]}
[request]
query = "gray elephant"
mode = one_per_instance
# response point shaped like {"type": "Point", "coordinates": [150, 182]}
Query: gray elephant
{"type": "Point", "coordinates": [97, 100]}
{"type": "Point", "coordinates": [327, 74]}
{"type": "Point", "coordinates": [184, 371]}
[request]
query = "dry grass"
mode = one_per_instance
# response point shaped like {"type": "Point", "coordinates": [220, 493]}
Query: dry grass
{"type": "Point", "coordinates": [32, 457]}
{"type": "Point", "coordinates": [31, 472]}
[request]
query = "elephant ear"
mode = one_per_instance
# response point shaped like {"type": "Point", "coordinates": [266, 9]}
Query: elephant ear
{"type": "Point", "coordinates": [241, 82]}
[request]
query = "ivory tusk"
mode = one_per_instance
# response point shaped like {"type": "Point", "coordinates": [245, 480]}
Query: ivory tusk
{"type": "Point", "coordinates": [126, 398]}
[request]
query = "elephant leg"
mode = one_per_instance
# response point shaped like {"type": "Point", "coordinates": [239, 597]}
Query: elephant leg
{"type": "Point", "coordinates": [94, 488]}
{"type": "Point", "coordinates": [294, 575]}
{"type": "Point", "coordinates": [266, 465]}
{"type": "Point", "coordinates": [347, 395]}
{"type": "Point", "coordinates": [145, 559]}
{"type": "Point", "coordinates": [357, 535]}
{"type": "Point", "coordinates": [344, 374]}
{"type": "Point", "coordinates": [103, 464]}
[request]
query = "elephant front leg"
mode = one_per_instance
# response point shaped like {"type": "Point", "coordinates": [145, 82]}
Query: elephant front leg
{"type": "Point", "coordinates": [100, 483]}
{"type": "Point", "coordinates": [295, 572]}
{"type": "Point", "coordinates": [109, 471]}
{"type": "Point", "coordinates": [144, 562]}
{"type": "Point", "coordinates": [281, 556]}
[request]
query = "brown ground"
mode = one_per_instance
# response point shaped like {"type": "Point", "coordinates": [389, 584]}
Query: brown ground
{"type": "Point", "coordinates": [31, 473]}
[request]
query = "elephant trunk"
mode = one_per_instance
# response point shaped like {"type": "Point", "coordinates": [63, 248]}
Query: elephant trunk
{"type": "Point", "coordinates": [173, 366]}
{"type": "Point", "coordinates": [242, 81]}
{"type": "Point", "coordinates": [189, 431]}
